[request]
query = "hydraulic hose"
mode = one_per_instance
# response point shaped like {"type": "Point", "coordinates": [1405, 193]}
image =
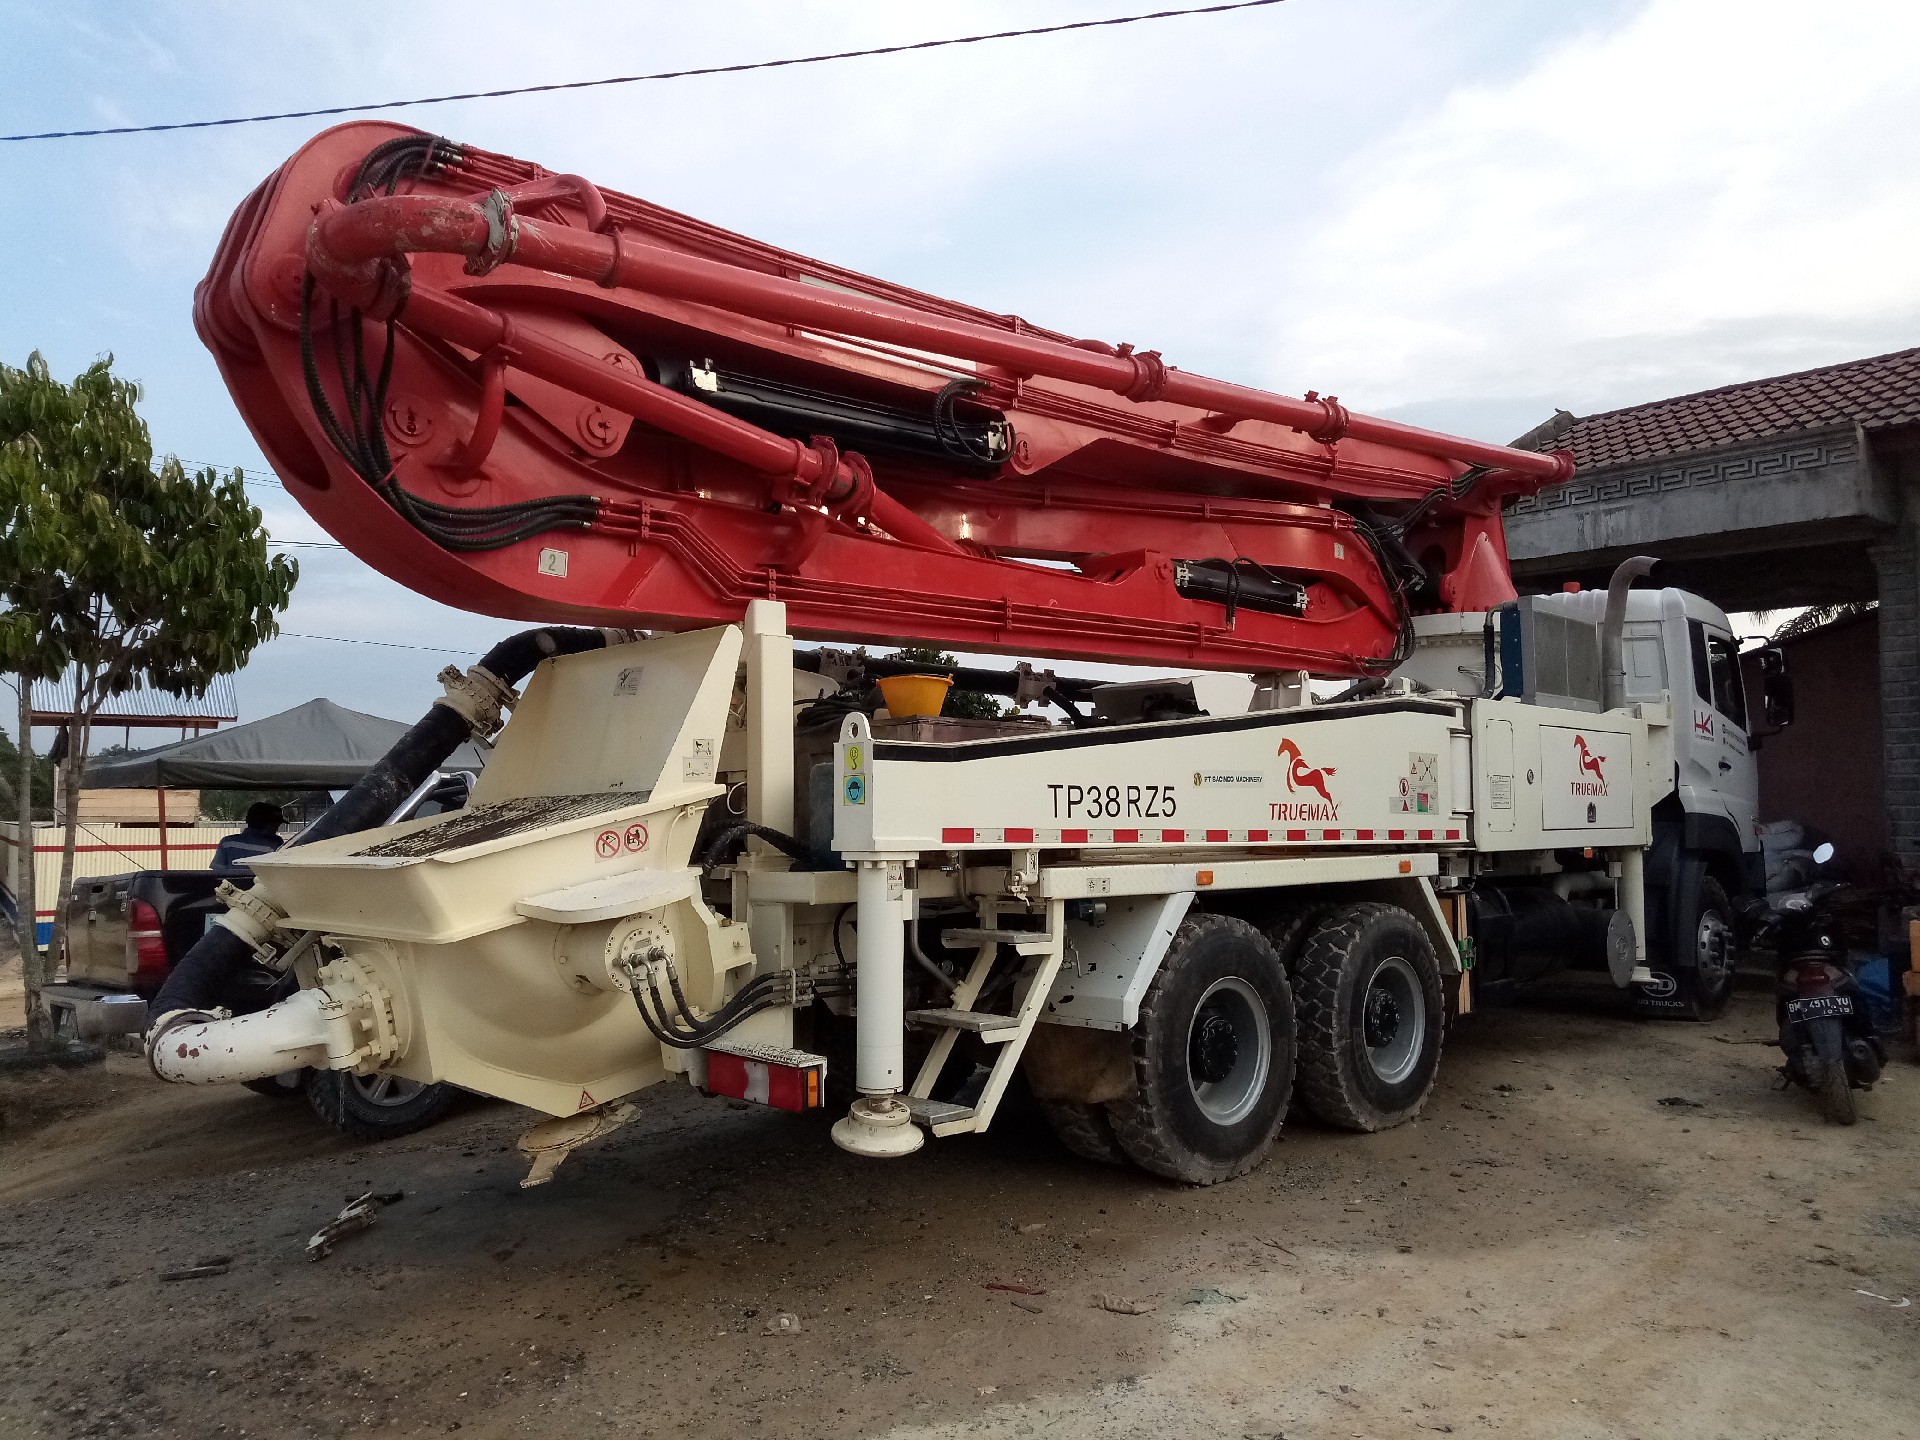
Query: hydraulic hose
{"type": "Point", "coordinates": [727, 845]}
{"type": "Point", "coordinates": [202, 976]}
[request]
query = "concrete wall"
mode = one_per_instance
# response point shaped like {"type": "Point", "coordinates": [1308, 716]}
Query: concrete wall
{"type": "Point", "coordinates": [1764, 525]}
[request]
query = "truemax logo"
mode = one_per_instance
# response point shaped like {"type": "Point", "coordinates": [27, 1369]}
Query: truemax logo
{"type": "Point", "coordinates": [1304, 777]}
{"type": "Point", "coordinates": [1590, 765]}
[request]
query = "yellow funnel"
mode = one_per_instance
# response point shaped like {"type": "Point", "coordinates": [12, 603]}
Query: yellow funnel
{"type": "Point", "coordinates": [908, 695]}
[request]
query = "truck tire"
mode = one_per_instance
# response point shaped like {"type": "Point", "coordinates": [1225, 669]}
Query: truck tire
{"type": "Point", "coordinates": [1085, 1130]}
{"type": "Point", "coordinates": [1289, 933]}
{"type": "Point", "coordinates": [1371, 1017]}
{"type": "Point", "coordinates": [1696, 983]}
{"type": "Point", "coordinates": [1212, 1056]}
{"type": "Point", "coordinates": [376, 1107]}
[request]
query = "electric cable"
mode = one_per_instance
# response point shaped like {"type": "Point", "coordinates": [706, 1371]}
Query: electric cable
{"type": "Point", "coordinates": [639, 79]}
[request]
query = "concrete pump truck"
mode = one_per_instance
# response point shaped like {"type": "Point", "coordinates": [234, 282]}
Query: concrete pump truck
{"type": "Point", "coordinates": [698, 853]}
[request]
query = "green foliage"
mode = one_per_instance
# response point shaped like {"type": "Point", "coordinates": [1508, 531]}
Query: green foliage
{"type": "Point", "coordinates": [10, 773]}
{"type": "Point", "coordinates": [116, 571]}
{"type": "Point", "coordinates": [130, 574]}
{"type": "Point", "coordinates": [961, 704]}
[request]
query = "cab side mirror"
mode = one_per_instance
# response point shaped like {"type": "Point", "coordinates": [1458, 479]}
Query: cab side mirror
{"type": "Point", "coordinates": [1776, 688]}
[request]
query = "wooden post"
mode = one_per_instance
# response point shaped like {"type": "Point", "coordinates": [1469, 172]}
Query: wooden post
{"type": "Point", "coordinates": [162, 793]}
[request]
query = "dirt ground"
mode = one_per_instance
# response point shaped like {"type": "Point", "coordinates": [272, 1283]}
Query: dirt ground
{"type": "Point", "coordinates": [1549, 1251]}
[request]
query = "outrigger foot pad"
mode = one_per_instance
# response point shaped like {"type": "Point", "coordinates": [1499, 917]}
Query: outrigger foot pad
{"type": "Point", "coordinates": [879, 1126]}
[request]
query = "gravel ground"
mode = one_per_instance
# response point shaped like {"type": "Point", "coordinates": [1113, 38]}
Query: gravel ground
{"type": "Point", "coordinates": [1549, 1251]}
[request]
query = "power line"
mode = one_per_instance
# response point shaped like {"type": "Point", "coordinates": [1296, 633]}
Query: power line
{"type": "Point", "coordinates": [657, 75]}
{"type": "Point", "coordinates": [266, 478]}
{"type": "Point", "coordinates": [383, 644]}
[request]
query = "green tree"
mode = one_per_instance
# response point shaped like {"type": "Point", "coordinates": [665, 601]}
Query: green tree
{"type": "Point", "coordinates": [10, 776]}
{"type": "Point", "coordinates": [115, 573]}
{"type": "Point", "coordinates": [963, 704]}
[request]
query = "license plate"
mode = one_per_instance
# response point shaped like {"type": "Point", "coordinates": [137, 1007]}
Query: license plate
{"type": "Point", "coordinates": [1819, 1007]}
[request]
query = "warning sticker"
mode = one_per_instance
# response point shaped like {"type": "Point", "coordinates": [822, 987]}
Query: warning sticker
{"type": "Point", "coordinates": [607, 844]}
{"type": "Point", "coordinates": [1418, 789]}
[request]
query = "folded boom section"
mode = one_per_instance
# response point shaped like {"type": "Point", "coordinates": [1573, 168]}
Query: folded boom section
{"type": "Point", "coordinates": [518, 393]}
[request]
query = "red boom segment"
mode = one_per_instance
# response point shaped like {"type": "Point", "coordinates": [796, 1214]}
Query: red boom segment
{"type": "Point", "coordinates": [517, 393]}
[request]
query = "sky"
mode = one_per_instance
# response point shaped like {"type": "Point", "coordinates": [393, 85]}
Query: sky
{"type": "Point", "coordinates": [1462, 213]}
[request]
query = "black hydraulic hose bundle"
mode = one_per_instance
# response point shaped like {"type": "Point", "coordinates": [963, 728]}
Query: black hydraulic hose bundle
{"type": "Point", "coordinates": [684, 1032]}
{"type": "Point", "coordinates": [726, 846]}
{"type": "Point", "coordinates": [203, 973]}
{"type": "Point", "coordinates": [359, 435]}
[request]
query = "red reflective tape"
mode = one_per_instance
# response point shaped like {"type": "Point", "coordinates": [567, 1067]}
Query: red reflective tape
{"type": "Point", "coordinates": [1255, 836]}
{"type": "Point", "coordinates": [1073, 837]}
{"type": "Point", "coordinates": [1396, 834]}
{"type": "Point", "coordinates": [1126, 837]}
{"type": "Point", "coordinates": [1019, 837]}
{"type": "Point", "coordinates": [956, 837]}
{"type": "Point", "coordinates": [1363, 834]}
{"type": "Point", "coordinates": [1426, 834]}
{"type": "Point", "coordinates": [1173, 837]}
{"type": "Point", "coordinates": [1296, 834]}
{"type": "Point", "coordinates": [1453, 834]}
{"type": "Point", "coordinates": [1216, 834]}
{"type": "Point", "coordinates": [1329, 834]}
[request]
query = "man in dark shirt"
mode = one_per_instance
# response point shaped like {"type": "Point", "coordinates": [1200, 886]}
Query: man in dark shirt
{"type": "Point", "coordinates": [261, 837]}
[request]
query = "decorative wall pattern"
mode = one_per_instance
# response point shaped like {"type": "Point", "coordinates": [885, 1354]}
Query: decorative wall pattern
{"type": "Point", "coordinates": [1681, 473]}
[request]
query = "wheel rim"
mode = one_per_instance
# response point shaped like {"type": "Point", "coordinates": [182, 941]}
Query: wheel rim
{"type": "Point", "coordinates": [1393, 1020]}
{"type": "Point", "coordinates": [1713, 949]}
{"type": "Point", "coordinates": [385, 1089]}
{"type": "Point", "coordinates": [1229, 1050]}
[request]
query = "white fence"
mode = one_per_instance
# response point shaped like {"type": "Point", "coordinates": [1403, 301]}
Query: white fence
{"type": "Point", "coordinates": [107, 848]}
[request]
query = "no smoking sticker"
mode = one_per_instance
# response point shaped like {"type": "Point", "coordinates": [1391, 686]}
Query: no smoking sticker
{"type": "Point", "coordinates": [607, 844]}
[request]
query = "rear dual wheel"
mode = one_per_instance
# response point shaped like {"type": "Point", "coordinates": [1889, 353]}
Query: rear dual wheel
{"type": "Point", "coordinates": [1367, 989]}
{"type": "Point", "coordinates": [1213, 1056]}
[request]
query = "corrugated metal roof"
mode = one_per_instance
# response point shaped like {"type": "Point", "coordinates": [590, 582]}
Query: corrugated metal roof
{"type": "Point", "coordinates": [1877, 393]}
{"type": "Point", "coordinates": [53, 701]}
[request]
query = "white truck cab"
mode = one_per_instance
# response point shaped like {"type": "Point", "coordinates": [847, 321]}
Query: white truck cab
{"type": "Point", "coordinates": [1681, 667]}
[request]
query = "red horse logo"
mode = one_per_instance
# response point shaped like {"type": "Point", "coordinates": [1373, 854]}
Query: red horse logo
{"type": "Point", "coordinates": [1300, 774]}
{"type": "Point", "coordinates": [1589, 761]}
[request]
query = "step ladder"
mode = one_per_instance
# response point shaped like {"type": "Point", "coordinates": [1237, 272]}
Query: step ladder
{"type": "Point", "coordinates": [1006, 1032]}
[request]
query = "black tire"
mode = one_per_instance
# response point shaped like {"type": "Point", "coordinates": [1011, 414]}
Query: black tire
{"type": "Point", "coordinates": [358, 1105]}
{"type": "Point", "coordinates": [1085, 1130]}
{"type": "Point", "coordinates": [287, 1085]}
{"type": "Point", "coordinates": [1371, 1017]}
{"type": "Point", "coordinates": [1835, 1091]}
{"type": "Point", "coordinates": [1288, 935]}
{"type": "Point", "coordinates": [1212, 1056]}
{"type": "Point", "coordinates": [1694, 979]}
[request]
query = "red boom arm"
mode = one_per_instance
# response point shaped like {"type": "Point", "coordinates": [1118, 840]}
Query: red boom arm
{"type": "Point", "coordinates": [517, 393]}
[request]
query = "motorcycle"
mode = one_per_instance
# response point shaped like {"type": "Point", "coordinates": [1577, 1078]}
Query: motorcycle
{"type": "Point", "coordinates": [1826, 1029]}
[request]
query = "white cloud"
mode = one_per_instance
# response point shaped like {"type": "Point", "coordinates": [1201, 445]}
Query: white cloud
{"type": "Point", "coordinates": [1705, 194]}
{"type": "Point", "coordinates": [1464, 211]}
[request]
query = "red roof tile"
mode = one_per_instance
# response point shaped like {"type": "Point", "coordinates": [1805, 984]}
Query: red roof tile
{"type": "Point", "coordinates": [1876, 393]}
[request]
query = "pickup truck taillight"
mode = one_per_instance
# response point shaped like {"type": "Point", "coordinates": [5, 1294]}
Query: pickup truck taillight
{"type": "Point", "coordinates": [146, 947]}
